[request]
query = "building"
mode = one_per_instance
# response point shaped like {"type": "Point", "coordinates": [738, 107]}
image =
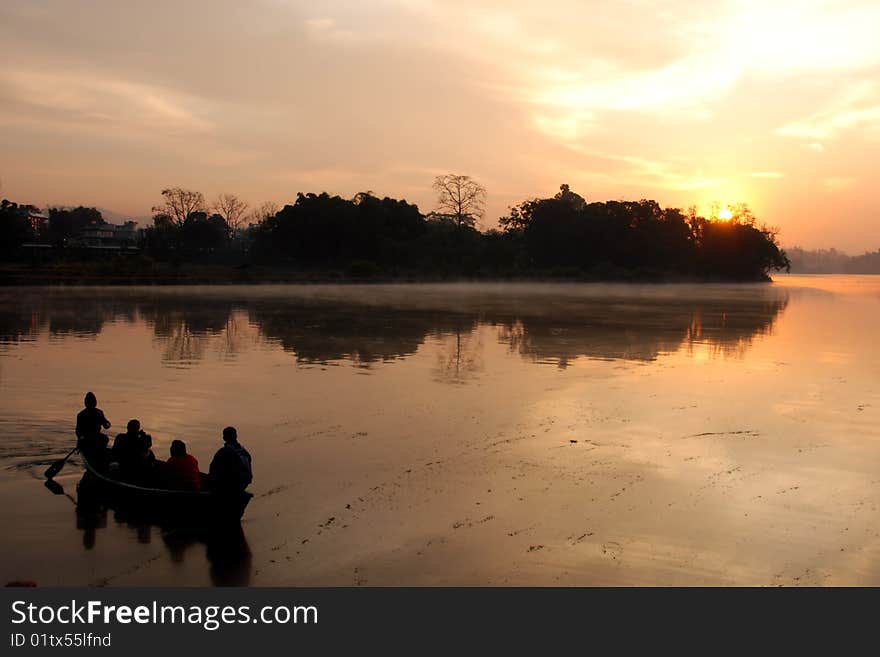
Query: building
{"type": "Point", "coordinates": [38, 220]}
{"type": "Point", "coordinates": [112, 237]}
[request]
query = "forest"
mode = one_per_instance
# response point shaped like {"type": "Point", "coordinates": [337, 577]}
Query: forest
{"type": "Point", "coordinates": [367, 237]}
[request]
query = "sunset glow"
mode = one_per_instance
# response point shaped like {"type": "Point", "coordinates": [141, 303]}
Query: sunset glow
{"type": "Point", "coordinates": [408, 294]}
{"type": "Point", "coordinates": [106, 104]}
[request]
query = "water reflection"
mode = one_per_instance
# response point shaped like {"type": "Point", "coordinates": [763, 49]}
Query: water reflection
{"type": "Point", "coordinates": [226, 547]}
{"type": "Point", "coordinates": [325, 333]}
{"type": "Point", "coordinates": [643, 329]}
{"type": "Point", "coordinates": [450, 417]}
{"type": "Point", "coordinates": [459, 359]}
{"type": "Point", "coordinates": [227, 551]}
{"type": "Point", "coordinates": [356, 327]}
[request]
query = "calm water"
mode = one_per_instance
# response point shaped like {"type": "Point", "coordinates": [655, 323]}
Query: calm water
{"type": "Point", "coordinates": [463, 434]}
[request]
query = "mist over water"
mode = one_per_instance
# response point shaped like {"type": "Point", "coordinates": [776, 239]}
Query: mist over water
{"type": "Point", "coordinates": [472, 434]}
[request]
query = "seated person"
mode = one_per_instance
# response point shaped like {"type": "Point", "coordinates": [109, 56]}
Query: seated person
{"type": "Point", "coordinates": [132, 451]}
{"type": "Point", "coordinates": [231, 467]}
{"type": "Point", "coordinates": [90, 421]}
{"type": "Point", "coordinates": [182, 470]}
{"type": "Point", "coordinates": [90, 439]}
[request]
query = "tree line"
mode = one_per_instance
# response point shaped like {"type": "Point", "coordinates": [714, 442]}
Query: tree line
{"type": "Point", "coordinates": [832, 261]}
{"type": "Point", "coordinates": [366, 236]}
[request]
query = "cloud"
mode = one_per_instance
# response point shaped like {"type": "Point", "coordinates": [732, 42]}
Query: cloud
{"type": "Point", "coordinates": [673, 98]}
{"type": "Point", "coordinates": [668, 175]}
{"type": "Point", "coordinates": [565, 126]}
{"type": "Point", "coordinates": [779, 36]}
{"type": "Point", "coordinates": [829, 125]}
{"type": "Point", "coordinates": [88, 98]}
{"type": "Point", "coordinates": [645, 173]}
{"type": "Point", "coordinates": [327, 30]}
{"type": "Point", "coordinates": [837, 183]}
{"type": "Point", "coordinates": [744, 40]}
{"type": "Point", "coordinates": [683, 84]}
{"type": "Point", "coordinates": [859, 107]}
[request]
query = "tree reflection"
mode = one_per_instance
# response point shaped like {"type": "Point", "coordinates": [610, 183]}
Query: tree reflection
{"type": "Point", "coordinates": [187, 330]}
{"type": "Point", "coordinates": [628, 324]}
{"type": "Point", "coordinates": [642, 329]}
{"type": "Point", "coordinates": [459, 358]}
{"type": "Point", "coordinates": [328, 332]}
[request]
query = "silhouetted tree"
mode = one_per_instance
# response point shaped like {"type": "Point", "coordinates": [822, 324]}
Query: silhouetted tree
{"type": "Point", "coordinates": [740, 251]}
{"type": "Point", "coordinates": [65, 223]}
{"type": "Point", "coordinates": [262, 212]}
{"type": "Point", "coordinates": [461, 198]}
{"type": "Point", "coordinates": [233, 210]}
{"type": "Point", "coordinates": [832, 261]}
{"type": "Point", "coordinates": [203, 232]}
{"type": "Point", "coordinates": [563, 235]}
{"type": "Point", "coordinates": [565, 195]}
{"type": "Point", "coordinates": [179, 204]}
{"type": "Point", "coordinates": [324, 230]}
{"type": "Point", "coordinates": [640, 238]}
{"type": "Point", "coordinates": [15, 225]}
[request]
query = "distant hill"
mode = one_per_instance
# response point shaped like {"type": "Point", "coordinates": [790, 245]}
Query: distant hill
{"type": "Point", "coordinates": [832, 261]}
{"type": "Point", "coordinates": [116, 218]}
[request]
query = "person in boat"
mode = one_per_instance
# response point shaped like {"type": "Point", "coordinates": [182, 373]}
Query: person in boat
{"type": "Point", "coordinates": [181, 469]}
{"type": "Point", "coordinates": [230, 470]}
{"type": "Point", "coordinates": [89, 435]}
{"type": "Point", "coordinates": [132, 450]}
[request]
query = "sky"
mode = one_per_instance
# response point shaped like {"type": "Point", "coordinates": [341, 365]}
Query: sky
{"type": "Point", "coordinates": [688, 102]}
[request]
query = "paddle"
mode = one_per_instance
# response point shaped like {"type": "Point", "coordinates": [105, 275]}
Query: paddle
{"type": "Point", "coordinates": [55, 468]}
{"type": "Point", "coordinates": [57, 489]}
{"type": "Point", "coordinates": [54, 486]}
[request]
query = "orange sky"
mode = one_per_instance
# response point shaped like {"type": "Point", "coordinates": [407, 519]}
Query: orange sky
{"type": "Point", "coordinates": [688, 102]}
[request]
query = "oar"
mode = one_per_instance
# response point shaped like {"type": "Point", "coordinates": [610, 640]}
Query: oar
{"type": "Point", "coordinates": [55, 468]}
{"type": "Point", "coordinates": [58, 489]}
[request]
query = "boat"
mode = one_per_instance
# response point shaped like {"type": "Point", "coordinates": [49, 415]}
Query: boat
{"type": "Point", "coordinates": [198, 508]}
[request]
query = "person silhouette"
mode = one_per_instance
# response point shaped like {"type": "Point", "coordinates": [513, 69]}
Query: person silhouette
{"type": "Point", "coordinates": [132, 451]}
{"type": "Point", "coordinates": [91, 441]}
{"type": "Point", "coordinates": [231, 468]}
{"type": "Point", "coordinates": [182, 469]}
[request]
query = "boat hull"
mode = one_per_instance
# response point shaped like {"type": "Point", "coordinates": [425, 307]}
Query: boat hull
{"type": "Point", "coordinates": [198, 508]}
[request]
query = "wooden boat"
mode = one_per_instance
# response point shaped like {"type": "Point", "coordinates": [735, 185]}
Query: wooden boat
{"type": "Point", "coordinates": [172, 506]}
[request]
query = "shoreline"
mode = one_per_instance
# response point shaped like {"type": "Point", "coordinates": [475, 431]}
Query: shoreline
{"type": "Point", "coordinates": [94, 274]}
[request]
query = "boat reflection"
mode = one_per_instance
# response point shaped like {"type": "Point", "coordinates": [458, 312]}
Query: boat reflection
{"type": "Point", "coordinates": [226, 549]}
{"type": "Point", "coordinates": [225, 546]}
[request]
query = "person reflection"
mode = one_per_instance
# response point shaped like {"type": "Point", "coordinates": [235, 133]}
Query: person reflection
{"type": "Point", "coordinates": [144, 534]}
{"type": "Point", "coordinates": [178, 543]}
{"type": "Point", "coordinates": [230, 556]}
{"type": "Point", "coordinates": [89, 519]}
{"type": "Point", "coordinates": [226, 549]}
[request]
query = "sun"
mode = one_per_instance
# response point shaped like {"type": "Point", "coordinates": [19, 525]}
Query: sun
{"type": "Point", "coordinates": [725, 214]}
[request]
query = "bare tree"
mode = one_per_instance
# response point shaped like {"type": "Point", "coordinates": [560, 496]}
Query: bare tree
{"type": "Point", "coordinates": [263, 211]}
{"type": "Point", "coordinates": [461, 198]}
{"type": "Point", "coordinates": [179, 204]}
{"type": "Point", "coordinates": [233, 210]}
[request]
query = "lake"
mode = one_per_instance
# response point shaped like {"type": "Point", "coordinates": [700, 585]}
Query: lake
{"type": "Point", "coordinates": [466, 434]}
